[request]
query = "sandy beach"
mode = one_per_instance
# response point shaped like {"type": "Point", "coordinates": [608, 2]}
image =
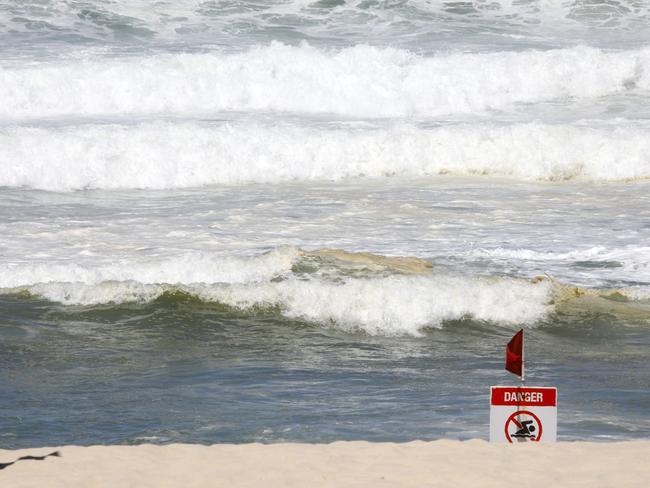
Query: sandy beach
{"type": "Point", "coordinates": [340, 464]}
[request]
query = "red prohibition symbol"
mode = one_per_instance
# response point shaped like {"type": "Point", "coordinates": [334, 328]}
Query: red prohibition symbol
{"type": "Point", "coordinates": [528, 429]}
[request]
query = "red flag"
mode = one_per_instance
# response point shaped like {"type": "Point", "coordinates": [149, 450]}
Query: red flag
{"type": "Point", "coordinates": [515, 354]}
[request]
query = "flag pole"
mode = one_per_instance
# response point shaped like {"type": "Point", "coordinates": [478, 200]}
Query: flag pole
{"type": "Point", "coordinates": [523, 358]}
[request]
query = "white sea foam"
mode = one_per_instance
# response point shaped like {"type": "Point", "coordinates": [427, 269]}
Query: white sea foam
{"type": "Point", "coordinates": [402, 296]}
{"type": "Point", "coordinates": [389, 305]}
{"type": "Point", "coordinates": [634, 261]}
{"type": "Point", "coordinates": [188, 267]}
{"type": "Point", "coordinates": [377, 303]}
{"type": "Point", "coordinates": [360, 81]}
{"type": "Point", "coordinates": [164, 155]}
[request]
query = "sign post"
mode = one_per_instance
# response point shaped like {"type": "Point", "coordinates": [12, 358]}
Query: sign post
{"type": "Point", "coordinates": [521, 413]}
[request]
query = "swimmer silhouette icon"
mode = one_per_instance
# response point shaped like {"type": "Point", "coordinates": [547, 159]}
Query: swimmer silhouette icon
{"type": "Point", "coordinates": [526, 430]}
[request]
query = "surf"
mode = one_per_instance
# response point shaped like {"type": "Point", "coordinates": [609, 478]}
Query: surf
{"type": "Point", "coordinates": [376, 294]}
{"type": "Point", "coordinates": [361, 81]}
{"type": "Point", "coordinates": [183, 154]}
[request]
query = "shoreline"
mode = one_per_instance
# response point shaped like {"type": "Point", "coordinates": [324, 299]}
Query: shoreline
{"type": "Point", "coordinates": [441, 463]}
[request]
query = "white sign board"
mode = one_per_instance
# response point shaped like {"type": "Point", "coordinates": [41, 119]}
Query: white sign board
{"type": "Point", "coordinates": [523, 414]}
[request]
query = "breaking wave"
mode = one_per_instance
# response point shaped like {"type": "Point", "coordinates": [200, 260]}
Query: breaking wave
{"type": "Point", "coordinates": [351, 291]}
{"type": "Point", "coordinates": [381, 305]}
{"type": "Point", "coordinates": [360, 81]}
{"type": "Point", "coordinates": [166, 155]}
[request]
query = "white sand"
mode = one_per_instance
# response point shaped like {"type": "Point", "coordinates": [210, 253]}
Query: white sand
{"type": "Point", "coordinates": [341, 464]}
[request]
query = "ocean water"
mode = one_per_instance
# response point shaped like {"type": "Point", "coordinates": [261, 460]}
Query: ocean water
{"type": "Point", "coordinates": [235, 221]}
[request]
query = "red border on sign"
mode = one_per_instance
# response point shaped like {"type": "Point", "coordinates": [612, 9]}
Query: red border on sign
{"type": "Point", "coordinates": [523, 396]}
{"type": "Point", "coordinates": [523, 412]}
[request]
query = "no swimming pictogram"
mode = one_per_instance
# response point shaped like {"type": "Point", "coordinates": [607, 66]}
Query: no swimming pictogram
{"type": "Point", "coordinates": [523, 426]}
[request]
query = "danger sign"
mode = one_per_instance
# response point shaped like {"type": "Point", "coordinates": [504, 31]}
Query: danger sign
{"type": "Point", "coordinates": [523, 414]}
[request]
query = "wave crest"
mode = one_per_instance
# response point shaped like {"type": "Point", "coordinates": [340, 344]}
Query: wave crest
{"type": "Point", "coordinates": [352, 291]}
{"type": "Point", "coordinates": [385, 305]}
{"type": "Point", "coordinates": [165, 155]}
{"type": "Point", "coordinates": [360, 81]}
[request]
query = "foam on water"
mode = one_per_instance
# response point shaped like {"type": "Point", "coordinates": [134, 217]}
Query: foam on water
{"type": "Point", "coordinates": [188, 267]}
{"type": "Point", "coordinates": [418, 22]}
{"type": "Point", "coordinates": [175, 155]}
{"type": "Point", "coordinates": [360, 81]}
{"type": "Point", "coordinates": [633, 260]}
{"type": "Point", "coordinates": [377, 294]}
{"type": "Point", "coordinates": [352, 291]}
{"type": "Point", "coordinates": [388, 305]}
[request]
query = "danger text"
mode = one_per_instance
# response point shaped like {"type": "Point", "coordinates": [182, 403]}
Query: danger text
{"type": "Point", "coordinates": [523, 396]}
